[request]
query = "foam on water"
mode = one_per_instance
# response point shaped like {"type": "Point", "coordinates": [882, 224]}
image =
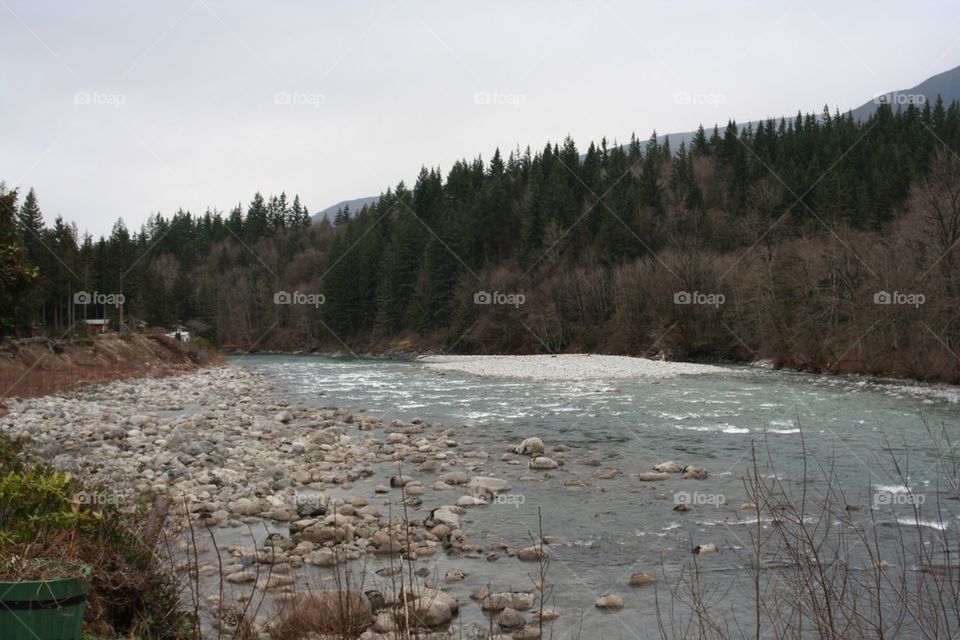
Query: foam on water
{"type": "Point", "coordinates": [920, 522]}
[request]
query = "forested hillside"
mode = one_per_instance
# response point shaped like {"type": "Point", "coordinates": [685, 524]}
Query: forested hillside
{"type": "Point", "coordinates": [818, 242]}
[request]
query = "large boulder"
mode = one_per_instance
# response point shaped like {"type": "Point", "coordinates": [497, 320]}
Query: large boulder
{"type": "Point", "coordinates": [430, 613]}
{"type": "Point", "coordinates": [454, 477]}
{"type": "Point", "coordinates": [667, 467]}
{"type": "Point", "coordinates": [610, 602]}
{"type": "Point", "coordinates": [693, 472]}
{"type": "Point", "coordinates": [510, 618]}
{"type": "Point", "coordinates": [543, 463]}
{"type": "Point", "coordinates": [481, 484]}
{"type": "Point", "coordinates": [429, 607]}
{"type": "Point", "coordinates": [533, 553]}
{"type": "Point", "coordinates": [654, 476]}
{"type": "Point", "coordinates": [445, 515]}
{"type": "Point", "coordinates": [400, 480]}
{"type": "Point", "coordinates": [245, 507]}
{"type": "Point", "coordinates": [521, 601]}
{"type": "Point", "coordinates": [530, 447]}
{"type": "Point", "coordinates": [642, 579]}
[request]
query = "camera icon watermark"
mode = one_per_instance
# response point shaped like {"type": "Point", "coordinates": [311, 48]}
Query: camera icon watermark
{"type": "Point", "coordinates": [299, 298]}
{"type": "Point", "coordinates": [497, 98]}
{"type": "Point", "coordinates": [897, 297]}
{"type": "Point", "coordinates": [299, 98]}
{"type": "Point", "coordinates": [897, 498]}
{"type": "Point", "coordinates": [99, 99]}
{"type": "Point", "coordinates": [699, 499]}
{"type": "Point", "coordinates": [498, 298]}
{"type": "Point", "coordinates": [697, 297]}
{"type": "Point", "coordinates": [95, 297]}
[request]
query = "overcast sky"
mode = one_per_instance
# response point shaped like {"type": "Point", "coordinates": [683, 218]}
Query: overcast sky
{"type": "Point", "coordinates": [121, 109]}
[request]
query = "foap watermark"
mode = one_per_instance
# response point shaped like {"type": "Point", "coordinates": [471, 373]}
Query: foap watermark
{"type": "Point", "coordinates": [899, 297]}
{"type": "Point", "coordinates": [516, 500]}
{"type": "Point", "coordinates": [496, 297]}
{"type": "Point", "coordinates": [121, 501]}
{"type": "Point", "coordinates": [99, 99]}
{"type": "Point", "coordinates": [697, 499]}
{"type": "Point", "coordinates": [298, 297]}
{"type": "Point", "coordinates": [314, 503]}
{"type": "Point", "coordinates": [698, 297]}
{"type": "Point", "coordinates": [299, 98]}
{"type": "Point", "coordinates": [496, 98]}
{"type": "Point", "coordinates": [901, 99]}
{"type": "Point", "coordinates": [897, 498]}
{"type": "Point", "coordinates": [699, 99]}
{"type": "Point", "coordinates": [95, 297]}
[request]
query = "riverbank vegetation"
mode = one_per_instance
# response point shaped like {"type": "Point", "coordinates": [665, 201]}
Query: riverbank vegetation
{"type": "Point", "coordinates": [817, 242]}
{"type": "Point", "coordinates": [52, 520]}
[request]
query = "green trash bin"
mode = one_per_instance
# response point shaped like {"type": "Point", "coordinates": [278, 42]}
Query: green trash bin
{"type": "Point", "coordinates": [43, 609]}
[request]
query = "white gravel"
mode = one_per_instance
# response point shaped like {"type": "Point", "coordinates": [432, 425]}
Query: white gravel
{"type": "Point", "coordinates": [567, 367]}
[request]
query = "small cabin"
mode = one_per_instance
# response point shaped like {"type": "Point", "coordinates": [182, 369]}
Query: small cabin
{"type": "Point", "coordinates": [180, 333]}
{"type": "Point", "coordinates": [98, 325]}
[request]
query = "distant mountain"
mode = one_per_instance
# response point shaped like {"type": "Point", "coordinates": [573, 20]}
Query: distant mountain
{"type": "Point", "coordinates": [355, 206]}
{"type": "Point", "coordinates": [946, 85]}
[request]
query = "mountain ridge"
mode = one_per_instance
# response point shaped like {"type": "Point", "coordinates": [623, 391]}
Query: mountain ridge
{"type": "Point", "coordinates": [945, 84]}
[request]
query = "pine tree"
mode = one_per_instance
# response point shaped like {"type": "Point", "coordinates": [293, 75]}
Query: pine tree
{"type": "Point", "coordinates": [257, 222]}
{"type": "Point", "coordinates": [700, 146]}
{"type": "Point", "coordinates": [32, 230]}
{"type": "Point", "coordinates": [16, 276]}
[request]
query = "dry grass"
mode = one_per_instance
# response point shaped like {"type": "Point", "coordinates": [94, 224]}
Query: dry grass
{"type": "Point", "coordinates": [341, 613]}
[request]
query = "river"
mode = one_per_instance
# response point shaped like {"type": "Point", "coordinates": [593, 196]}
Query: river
{"type": "Point", "coordinates": [720, 418]}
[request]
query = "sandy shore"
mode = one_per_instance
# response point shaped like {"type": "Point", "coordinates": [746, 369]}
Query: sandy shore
{"type": "Point", "coordinates": [567, 367]}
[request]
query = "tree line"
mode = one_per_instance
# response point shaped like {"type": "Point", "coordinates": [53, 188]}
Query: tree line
{"type": "Point", "coordinates": [791, 229]}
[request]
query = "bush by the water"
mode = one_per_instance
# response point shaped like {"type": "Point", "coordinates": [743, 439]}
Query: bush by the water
{"type": "Point", "coordinates": [52, 525]}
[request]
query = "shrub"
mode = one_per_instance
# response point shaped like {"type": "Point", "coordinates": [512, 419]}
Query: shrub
{"type": "Point", "coordinates": [51, 522]}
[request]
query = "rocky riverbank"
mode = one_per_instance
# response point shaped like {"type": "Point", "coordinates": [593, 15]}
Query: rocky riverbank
{"type": "Point", "coordinates": [239, 459]}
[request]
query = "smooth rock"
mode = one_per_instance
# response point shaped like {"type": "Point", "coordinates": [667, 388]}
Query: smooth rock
{"type": "Point", "coordinates": [642, 579]}
{"type": "Point", "coordinates": [533, 553]}
{"type": "Point", "coordinates": [667, 467]}
{"type": "Point", "coordinates": [486, 483]}
{"type": "Point", "coordinates": [510, 618]}
{"type": "Point", "coordinates": [542, 462]}
{"type": "Point", "coordinates": [654, 476]}
{"type": "Point", "coordinates": [610, 602]}
{"type": "Point", "coordinates": [693, 472]}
